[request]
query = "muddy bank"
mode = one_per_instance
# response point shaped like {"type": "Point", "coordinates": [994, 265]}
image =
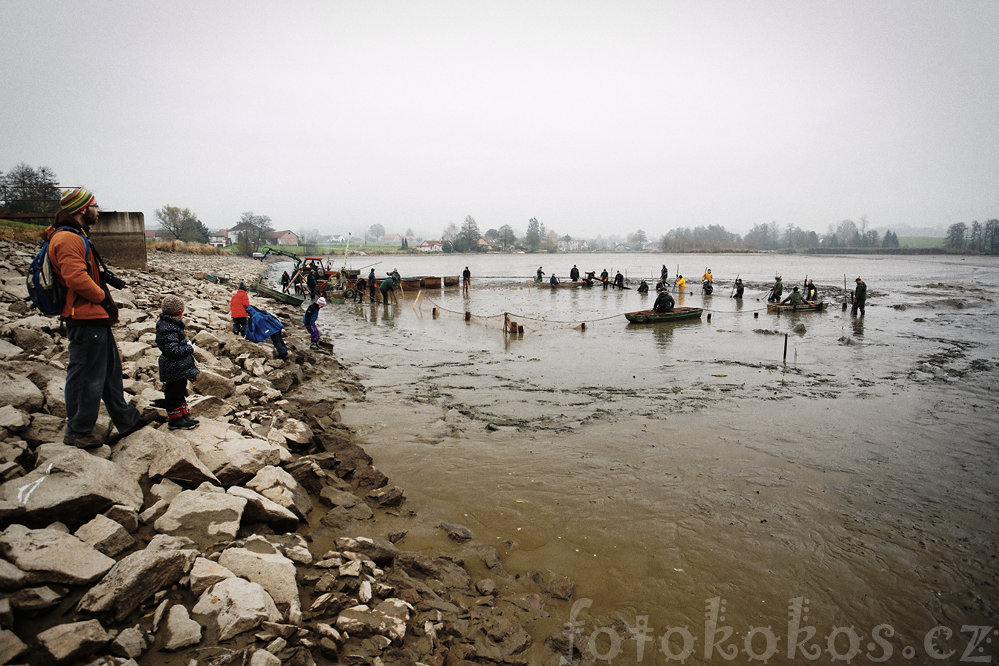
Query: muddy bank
{"type": "Point", "coordinates": [264, 536]}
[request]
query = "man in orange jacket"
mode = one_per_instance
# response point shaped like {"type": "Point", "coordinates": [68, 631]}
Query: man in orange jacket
{"type": "Point", "coordinates": [94, 369]}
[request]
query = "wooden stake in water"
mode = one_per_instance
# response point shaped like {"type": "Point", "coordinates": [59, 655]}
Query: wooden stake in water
{"type": "Point", "coordinates": [785, 347]}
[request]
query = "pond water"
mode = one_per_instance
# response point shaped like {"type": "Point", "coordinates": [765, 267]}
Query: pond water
{"type": "Point", "coordinates": [671, 470]}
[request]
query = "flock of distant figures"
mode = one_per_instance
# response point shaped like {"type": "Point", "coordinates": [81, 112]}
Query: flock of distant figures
{"type": "Point", "coordinates": [665, 303]}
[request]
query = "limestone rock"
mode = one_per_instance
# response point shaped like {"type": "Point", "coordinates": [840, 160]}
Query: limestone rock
{"type": "Point", "coordinates": [236, 605]}
{"type": "Point", "coordinates": [204, 517]}
{"type": "Point", "coordinates": [10, 646]}
{"type": "Point", "coordinates": [212, 383]}
{"type": "Point", "coordinates": [11, 578]}
{"type": "Point", "coordinates": [296, 432]}
{"type": "Point", "coordinates": [386, 619]}
{"type": "Point", "coordinates": [20, 393]}
{"type": "Point", "coordinates": [259, 509]}
{"type": "Point", "coordinates": [458, 533]}
{"type": "Point", "coordinates": [49, 428]}
{"type": "Point", "coordinates": [279, 486]}
{"type": "Point", "coordinates": [130, 643]}
{"type": "Point", "coordinates": [206, 573]}
{"type": "Point", "coordinates": [179, 630]}
{"type": "Point", "coordinates": [554, 585]}
{"type": "Point", "coordinates": [234, 461]}
{"type": "Point", "coordinates": [73, 486]}
{"type": "Point", "coordinates": [134, 579]}
{"type": "Point", "coordinates": [178, 462]}
{"type": "Point", "coordinates": [13, 419]}
{"type": "Point", "coordinates": [272, 570]}
{"type": "Point", "coordinates": [52, 556]}
{"type": "Point", "coordinates": [137, 452]}
{"type": "Point", "coordinates": [66, 642]}
{"type": "Point", "coordinates": [33, 599]}
{"type": "Point", "coordinates": [380, 551]}
{"type": "Point", "coordinates": [105, 535]}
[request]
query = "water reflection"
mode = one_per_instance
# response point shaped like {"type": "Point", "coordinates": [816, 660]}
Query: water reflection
{"type": "Point", "coordinates": [858, 327]}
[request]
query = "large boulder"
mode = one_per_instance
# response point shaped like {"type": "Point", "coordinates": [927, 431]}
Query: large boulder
{"type": "Point", "coordinates": [207, 518]}
{"type": "Point", "coordinates": [274, 571]}
{"type": "Point", "coordinates": [71, 486]}
{"type": "Point", "coordinates": [134, 579]}
{"type": "Point", "coordinates": [51, 556]}
{"type": "Point", "coordinates": [236, 605]}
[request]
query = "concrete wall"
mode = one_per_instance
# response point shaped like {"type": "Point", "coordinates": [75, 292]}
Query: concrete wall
{"type": "Point", "coordinates": [121, 239]}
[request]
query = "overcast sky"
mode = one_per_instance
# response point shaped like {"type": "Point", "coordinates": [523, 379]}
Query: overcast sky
{"type": "Point", "coordinates": [594, 117]}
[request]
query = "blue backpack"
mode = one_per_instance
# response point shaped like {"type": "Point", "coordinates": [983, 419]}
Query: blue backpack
{"type": "Point", "coordinates": [44, 289]}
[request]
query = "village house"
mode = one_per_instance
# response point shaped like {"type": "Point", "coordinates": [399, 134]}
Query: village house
{"type": "Point", "coordinates": [431, 246]}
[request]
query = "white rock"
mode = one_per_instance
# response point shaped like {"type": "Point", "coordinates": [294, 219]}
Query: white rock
{"type": "Point", "coordinates": [274, 571]}
{"type": "Point", "coordinates": [204, 517]}
{"type": "Point", "coordinates": [206, 573]}
{"type": "Point", "coordinates": [279, 486]}
{"type": "Point", "coordinates": [236, 605]}
{"type": "Point", "coordinates": [179, 630]}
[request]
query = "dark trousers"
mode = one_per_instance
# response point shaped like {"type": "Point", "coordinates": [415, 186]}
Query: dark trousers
{"type": "Point", "coordinates": [278, 340]}
{"type": "Point", "coordinates": [857, 305]}
{"type": "Point", "coordinates": [94, 374]}
{"type": "Point", "coordinates": [371, 290]}
{"type": "Point", "coordinates": [239, 325]}
{"type": "Point", "coordinates": [174, 394]}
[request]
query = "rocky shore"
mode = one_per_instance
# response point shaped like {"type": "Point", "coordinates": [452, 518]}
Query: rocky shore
{"type": "Point", "coordinates": [253, 539]}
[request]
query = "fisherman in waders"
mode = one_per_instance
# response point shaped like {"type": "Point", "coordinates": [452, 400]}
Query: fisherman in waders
{"type": "Point", "coordinates": [859, 297]}
{"type": "Point", "coordinates": [776, 291]}
{"type": "Point", "coordinates": [811, 293]}
{"type": "Point", "coordinates": [739, 288]}
{"type": "Point", "coordinates": [664, 302]}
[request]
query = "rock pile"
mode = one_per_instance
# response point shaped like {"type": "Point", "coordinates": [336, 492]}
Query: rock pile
{"type": "Point", "coordinates": [238, 542]}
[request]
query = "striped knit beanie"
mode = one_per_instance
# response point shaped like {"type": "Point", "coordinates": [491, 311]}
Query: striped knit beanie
{"type": "Point", "coordinates": [172, 305]}
{"type": "Point", "coordinates": [75, 200]}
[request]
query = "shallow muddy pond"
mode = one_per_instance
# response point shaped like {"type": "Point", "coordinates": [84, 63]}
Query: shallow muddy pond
{"type": "Point", "coordinates": [686, 478]}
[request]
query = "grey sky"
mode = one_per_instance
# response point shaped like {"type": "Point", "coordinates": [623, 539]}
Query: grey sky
{"type": "Point", "coordinates": [594, 117]}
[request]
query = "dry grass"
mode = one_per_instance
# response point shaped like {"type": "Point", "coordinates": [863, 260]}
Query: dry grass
{"type": "Point", "coordinates": [183, 247]}
{"type": "Point", "coordinates": [21, 232]}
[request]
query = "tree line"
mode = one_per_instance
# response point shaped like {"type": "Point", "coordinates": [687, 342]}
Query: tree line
{"type": "Point", "coordinates": [978, 237]}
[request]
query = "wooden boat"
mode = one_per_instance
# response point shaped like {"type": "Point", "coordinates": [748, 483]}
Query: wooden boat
{"type": "Point", "coordinates": [413, 283]}
{"type": "Point", "coordinates": [568, 284]}
{"type": "Point", "coordinates": [653, 317]}
{"type": "Point", "coordinates": [290, 299]}
{"type": "Point", "coordinates": [452, 280]}
{"type": "Point", "coordinates": [430, 282]}
{"type": "Point", "coordinates": [814, 306]}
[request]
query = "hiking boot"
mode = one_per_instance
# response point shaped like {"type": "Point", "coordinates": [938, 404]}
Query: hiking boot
{"type": "Point", "coordinates": [144, 419]}
{"type": "Point", "coordinates": [185, 422]}
{"type": "Point", "coordinates": [82, 442]}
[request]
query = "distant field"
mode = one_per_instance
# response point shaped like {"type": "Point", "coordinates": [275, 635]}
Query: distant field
{"type": "Point", "coordinates": [921, 241]}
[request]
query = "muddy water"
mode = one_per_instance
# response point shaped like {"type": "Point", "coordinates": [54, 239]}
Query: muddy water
{"type": "Point", "coordinates": [675, 470]}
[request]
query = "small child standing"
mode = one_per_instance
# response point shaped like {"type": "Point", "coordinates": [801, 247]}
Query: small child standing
{"type": "Point", "coordinates": [176, 362]}
{"type": "Point", "coordinates": [309, 319]}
